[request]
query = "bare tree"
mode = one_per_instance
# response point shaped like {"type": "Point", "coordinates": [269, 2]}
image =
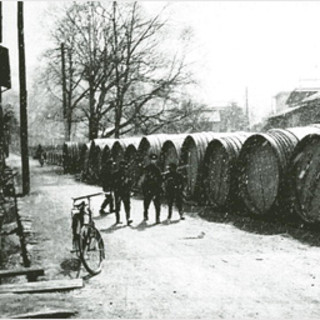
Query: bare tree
{"type": "Point", "coordinates": [144, 76]}
{"type": "Point", "coordinates": [84, 33]}
{"type": "Point", "coordinates": [118, 77]}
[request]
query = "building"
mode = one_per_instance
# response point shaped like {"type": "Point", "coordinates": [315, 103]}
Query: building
{"type": "Point", "coordinates": [280, 101]}
{"type": "Point", "coordinates": [223, 119]}
{"type": "Point", "coordinates": [303, 109]}
{"type": "Point", "coordinates": [210, 118]}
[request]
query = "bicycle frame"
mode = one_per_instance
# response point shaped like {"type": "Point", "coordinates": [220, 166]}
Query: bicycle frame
{"type": "Point", "coordinates": [88, 204]}
{"type": "Point", "coordinates": [85, 234]}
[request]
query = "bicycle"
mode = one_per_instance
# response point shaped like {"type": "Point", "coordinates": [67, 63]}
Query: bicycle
{"type": "Point", "coordinates": [87, 241]}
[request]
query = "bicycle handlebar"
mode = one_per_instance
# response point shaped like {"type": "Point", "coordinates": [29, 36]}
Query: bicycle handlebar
{"type": "Point", "coordinates": [88, 196]}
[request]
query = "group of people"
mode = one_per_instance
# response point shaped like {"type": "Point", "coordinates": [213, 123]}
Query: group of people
{"type": "Point", "coordinates": [118, 183]}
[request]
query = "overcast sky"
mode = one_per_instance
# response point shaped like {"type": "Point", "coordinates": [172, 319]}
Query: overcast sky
{"type": "Point", "coordinates": [269, 46]}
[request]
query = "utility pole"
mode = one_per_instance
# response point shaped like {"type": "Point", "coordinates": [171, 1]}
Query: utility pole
{"type": "Point", "coordinates": [23, 104]}
{"type": "Point", "coordinates": [0, 42]}
{"type": "Point", "coordinates": [64, 95]}
{"type": "Point", "coordinates": [1, 111]}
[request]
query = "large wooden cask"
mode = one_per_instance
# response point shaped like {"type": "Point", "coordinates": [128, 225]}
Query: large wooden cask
{"type": "Point", "coordinates": [100, 151]}
{"type": "Point", "coordinates": [263, 162]}
{"type": "Point", "coordinates": [83, 152]}
{"type": "Point", "coordinates": [130, 156]}
{"type": "Point", "coordinates": [120, 146]}
{"type": "Point", "coordinates": [171, 151]}
{"type": "Point", "coordinates": [191, 159]}
{"type": "Point", "coordinates": [220, 174]}
{"type": "Point", "coordinates": [304, 178]}
{"type": "Point", "coordinates": [55, 154]}
{"type": "Point", "coordinates": [71, 156]}
{"type": "Point", "coordinates": [148, 145]}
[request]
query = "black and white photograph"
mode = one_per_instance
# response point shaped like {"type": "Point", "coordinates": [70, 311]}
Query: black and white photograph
{"type": "Point", "coordinates": [160, 159]}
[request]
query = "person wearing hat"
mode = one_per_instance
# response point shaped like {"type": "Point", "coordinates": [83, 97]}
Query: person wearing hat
{"type": "Point", "coordinates": [106, 179]}
{"type": "Point", "coordinates": [174, 183]}
{"type": "Point", "coordinates": [151, 187]}
{"type": "Point", "coordinates": [122, 189]}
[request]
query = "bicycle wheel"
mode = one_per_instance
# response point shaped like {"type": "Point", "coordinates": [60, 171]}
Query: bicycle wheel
{"type": "Point", "coordinates": [91, 249]}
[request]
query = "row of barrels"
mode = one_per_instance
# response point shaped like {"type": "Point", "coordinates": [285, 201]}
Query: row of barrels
{"type": "Point", "coordinates": [273, 172]}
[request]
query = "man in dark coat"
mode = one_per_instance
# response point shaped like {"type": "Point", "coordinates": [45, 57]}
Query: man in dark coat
{"type": "Point", "coordinates": [106, 179]}
{"type": "Point", "coordinates": [174, 183]}
{"type": "Point", "coordinates": [151, 187]}
{"type": "Point", "coordinates": [122, 189]}
{"type": "Point", "coordinates": [39, 152]}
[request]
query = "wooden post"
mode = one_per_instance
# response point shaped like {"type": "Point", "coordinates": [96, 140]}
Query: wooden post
{"type": "Point", "coordinates": [23, 104]}
{"type": "Point", "coordinates": [23, 245]}
{"type": "Point", "coordinates": [0, 21]}
{"type": "Point", "coordinates": [1, 124]}
{"type": "Point", "coordinates": [1, 109]}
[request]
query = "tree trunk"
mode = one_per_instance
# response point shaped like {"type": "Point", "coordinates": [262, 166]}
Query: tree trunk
{"type": "Point", "coordinates": [93, 123]}
{"type": "Point", "coordinates": [117, 122]}
{"type": "Point", "coordinates": [70, 93]}
{"type": "Point", "coordinates": [67, 126]}
{"type": "Point", "coordinates": [93, 128]}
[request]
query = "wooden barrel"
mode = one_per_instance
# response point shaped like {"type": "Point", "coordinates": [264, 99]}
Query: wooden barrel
{"type": "Point", "coordinates": [220, 177]}
{"type": "Point", "coordinates": [171, 151]}
{"type": "Point", "coordinates": [192, 154]}
{"type": "Point", "coordinates": [120, 146]}
{"type": "Point", "coordinates": [149, 144]}
{"type": "Point", "coordinates": [71, 156]}
{"type": "Point", "coordinates": [263, 165]}
{"type": "Point", "coordinates": [55, 153]}
{"type": "Point", "coordinates": [303, 178]}
{"type": "Point", "coordinates": [100, 153]}
{"type": "Point", "coordinates": [83, 152]}
{"type": "Point", "coordinates": [130, 156]}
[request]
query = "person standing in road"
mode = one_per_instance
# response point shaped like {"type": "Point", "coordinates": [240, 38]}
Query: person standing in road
{"type": "Point", "coordinates": [106, 178]}
{"type": "Point", "coordinates": [174, 183]}
{"type": "Point", "coordinates": [39, 152]}
{"type": "Point", "coordinates": [122, 189]}
{"type": "Point", "coordinates": [151, 187]}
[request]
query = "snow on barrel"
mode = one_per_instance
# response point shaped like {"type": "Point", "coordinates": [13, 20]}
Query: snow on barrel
{"type": "Point", "coordinates": [263, 163]}
{"type": "Point", "coordinates": [192, 154]}
{"type": "Point", "coordinates": [304, 178]}
{"type": "Point", "coordinates": [220, 171]}
{"type": "Point", "coordinates": [171, 151]}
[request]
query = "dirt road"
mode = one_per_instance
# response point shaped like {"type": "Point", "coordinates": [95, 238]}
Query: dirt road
{"type": "Point", "coordinates": [188, 269]}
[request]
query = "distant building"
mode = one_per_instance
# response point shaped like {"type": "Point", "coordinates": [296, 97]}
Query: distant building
{"type": "Point", "coordinates": [210, 118]}
{"type": "Point", "coordinates": [281, 101]}
{"type": "Point", "coordinates": [297, 96]}
{"type": "Point", "coordinates": [303, 109]}
{"type": "Point", "coordinates": [223, 119]}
